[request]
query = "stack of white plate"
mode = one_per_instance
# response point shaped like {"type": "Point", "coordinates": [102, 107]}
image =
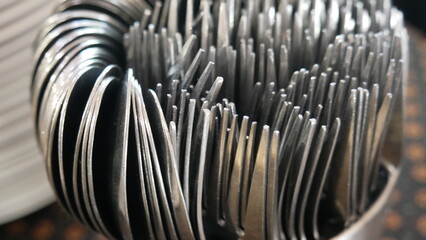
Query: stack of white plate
{"type": "Point", "coordinates": [23, 184]}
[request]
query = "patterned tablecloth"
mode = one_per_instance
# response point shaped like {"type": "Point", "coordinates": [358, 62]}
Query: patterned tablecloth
{"type": "Point", "coordinates": [406, 219]}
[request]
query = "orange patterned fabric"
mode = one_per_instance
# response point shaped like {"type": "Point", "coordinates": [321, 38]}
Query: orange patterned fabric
{"type": "Point", "coordinates": [407, 218]}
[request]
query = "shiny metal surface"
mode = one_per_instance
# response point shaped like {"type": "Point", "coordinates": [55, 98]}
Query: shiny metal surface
{"type": "Point", "coordinates": [369, 225]}
{"type": "Point", "coordinates": [234, 119]}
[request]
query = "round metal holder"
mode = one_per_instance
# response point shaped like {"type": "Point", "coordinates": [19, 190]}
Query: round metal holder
{"type": "Point", "coordinates": [369, 225]}
{"type": "Point", "coordinates": [128, 161]}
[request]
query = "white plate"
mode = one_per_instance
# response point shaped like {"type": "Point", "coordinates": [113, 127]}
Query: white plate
{"type": "Point", "coordinates": [18, 10]}
{"type": "Point", "coordinates": [20, 58]}
{"type": "Point", "coordinates": [11, 88]}
{"type": "Point", "coordinates": [23, 182]}
{"type": "Point", "coordinates": [28, 197]}
{"type": "Point", "coordinates": [6, 4]}
{"type": "Point", "coordinates": [11, 103]}
{"type": "Point", "coordinates": [7, 49]}
{"type": "Point", "coordinates": [27, 149]}
{"type": "Point", "coordinates": [24, 24]}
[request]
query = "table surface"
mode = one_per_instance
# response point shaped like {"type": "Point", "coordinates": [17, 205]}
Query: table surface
{"type": "Point", "coordinates": [406, 219]}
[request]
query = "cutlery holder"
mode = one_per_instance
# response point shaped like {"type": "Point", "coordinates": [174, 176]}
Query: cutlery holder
{"type": "Point", "coordinates": [231, 119]}
{"type": "Point", "coordinates": [368, 226]}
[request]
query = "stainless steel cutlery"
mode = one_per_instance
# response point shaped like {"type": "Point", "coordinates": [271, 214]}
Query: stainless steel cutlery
{"type": "Point", "coordinates": [230, 119]}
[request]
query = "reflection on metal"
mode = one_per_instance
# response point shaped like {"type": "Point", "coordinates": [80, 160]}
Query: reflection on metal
{"type": "Point", "coordinates": [231, 119]}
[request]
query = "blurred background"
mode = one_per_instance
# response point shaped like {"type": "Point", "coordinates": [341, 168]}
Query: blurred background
{"type": "Point", "coordinates": [27, 208]}
{"type": "Point", "coordinates": [414, 11]}
{"type": "Point", "coordinates": [23, 183]}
